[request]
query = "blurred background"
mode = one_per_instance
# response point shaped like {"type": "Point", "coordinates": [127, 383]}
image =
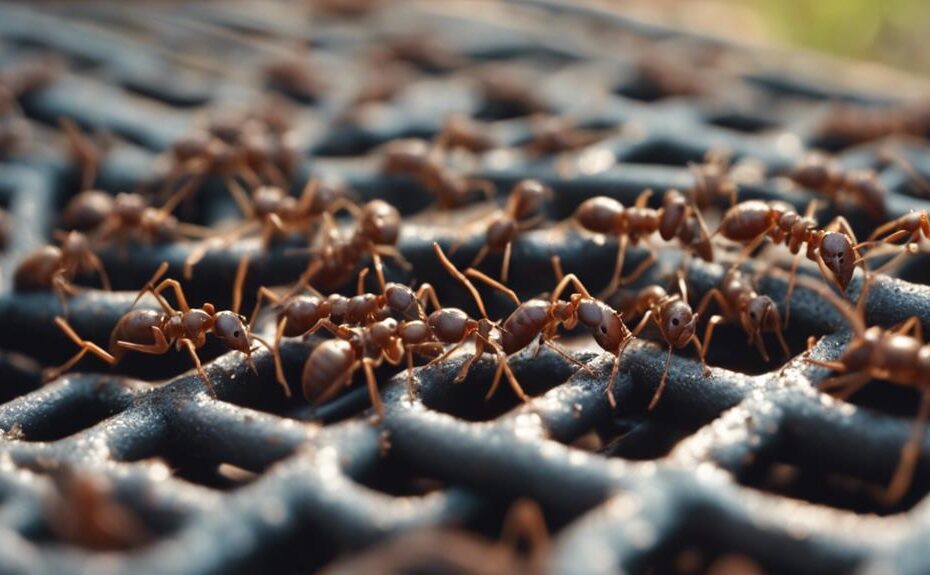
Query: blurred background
{"type": "Point", "coordinates": [890, 32]}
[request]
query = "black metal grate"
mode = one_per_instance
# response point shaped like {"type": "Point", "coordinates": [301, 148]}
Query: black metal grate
{"type": "Point", "coordinates": [758, 465]}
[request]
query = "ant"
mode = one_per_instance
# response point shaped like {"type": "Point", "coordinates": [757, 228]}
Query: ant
{"type": "Point", "coordinates": [540, 318]}
{"type": "Point", "coordinates": [522, 212]}
{"type": "Point", "coordinates": [740, 303]}
{"type": "Point", "coordinates": [151, 332]}
{"type": "Point", "coordinates": [331, 364]}
{"type": "Point", "coordinates": [896, 355]}
{"type": "Point", "coordinates": [304, 314]}
{"type": "Point", "coordinates": [272, 211]}
{"type": "Point", "coordinates": [415, 158]}
{"type": "Point", "coordinates": [555, 134]}
{"type": "Point", "coordinates": [834, 248]}
{"type": "Point", "coordinates": [825, 174]}
{"type": "Point", "coordinates": [376, 233]}
{"type": "Point", "coordinates": [677, 218]}
{"type": "Point", "coordinates": [55, 268]}
{"type": "Point", "coordinates": [460, 131]}
{"type": "Point", "coordinates": [87, 153]}
{"type": "Point", "coordinates": [675, 320]}
{"type": "Point", "coordinates": [712, 180]}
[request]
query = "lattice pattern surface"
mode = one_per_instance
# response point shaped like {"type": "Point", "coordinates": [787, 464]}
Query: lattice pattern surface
{"type": "Point", "coordinates": [749, 467]}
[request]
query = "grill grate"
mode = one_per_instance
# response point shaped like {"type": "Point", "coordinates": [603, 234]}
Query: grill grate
{"type": "Point", "coordinates": [752, 461]}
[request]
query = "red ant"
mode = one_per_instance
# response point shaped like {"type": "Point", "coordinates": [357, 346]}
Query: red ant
{"type": "Point", "coordinates": [834, 248]}
{"type": "Point", "coordinates": [896, 355]}
{"type": "Point", "coordinates": [304, 314]}
{"type": "Point", "coordinates": [677, 218]}
{"type": "Point", "coordinates": [415, 158]}
{"type": "Point", "coordinates": [151, 332]}
{"type": "Point", "coordinates": [820, 172]}
{"type": "Point", "coordinates": [55, 268]}
{"type": "Point", "coordinates": [740, 303]}
{"type": "Point", "coordinates": [676, 322]}
{"type": "Point", "coordinates": [522, 212]}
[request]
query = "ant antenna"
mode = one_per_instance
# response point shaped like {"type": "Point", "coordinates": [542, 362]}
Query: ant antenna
{"type": "Point", "coordinates": [454, 271]}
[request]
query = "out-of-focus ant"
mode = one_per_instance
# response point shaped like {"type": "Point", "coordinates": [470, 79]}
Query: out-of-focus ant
{"type": "Point", "coordinates": [826, 175]}
{"type": "Point", "coordinates": [55, 268]}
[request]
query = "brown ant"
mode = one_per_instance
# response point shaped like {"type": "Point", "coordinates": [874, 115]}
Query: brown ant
{"type": "Point", "coordinates": [740, 303]}
{"type": "Point", "coordinates": [272, 211]}
{"type": "Point", "coordinates": [676, 322]}
{"type": "Point", "coordinates": [826, 175]}
{"type": "Point", "coordinates": [55, 268]}
{"type": "Point", "coordinates": [415, 158]}
{"type": "Point", "coordinates": [712, 180]}
{"type": "Point", "coordinates": [461, 132]}
{"type": "Point", "coordinates": [834, 248]}
{"type": "Point", "coordinates": [555, 134]}
{"type": "Point", "coordinates": [522, 212]}
{"type": "Point", "coordinates": [151, 332]}
{"type": "Point", "coordinates": [375, 234]}
{"type": "Point", "coordinates": [896, 355]}
{"type": "Point", "coordinates": [540, 318]}
{"type": "Point", "coordinates": [677, 218]}
{"type": "Point", "coordinates": [303, 314]}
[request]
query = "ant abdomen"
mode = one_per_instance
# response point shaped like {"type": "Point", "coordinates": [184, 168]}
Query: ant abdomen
{"type": "Point", "coordinates": [136, 327]}
{"type": "Point", "coordinates": [87, 210]}
{"type": "Point", "coordinates": [329, 364]}
{"type": "Point", "coordinates": [600, 215]}
{"type": "Point", "coordinates": [524, 324]}
{"type": "Point", "coordinates": [380, 222]}
{"type": "Point", "coordinates": [747, 220]}
{"type": "Point", "coordinates": [36, 270]}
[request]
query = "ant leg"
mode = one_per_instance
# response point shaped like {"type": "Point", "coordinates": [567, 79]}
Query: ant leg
{"type": "Point", "coordinates": [160, 346]}
{"type": "Point", "coordinates": [466, 367]}
{"type": "Point", "coordinates": [360, 283]}
{"type": "Point", "coordinates": [893, 225]}
{"type": "Point", "coordinates": [748, 249]}
{"type": "Point", "coordinates": [713, 294]}
{"type": "Point", "coordinates": [150, 285]}
{"type": "Point", "coordinates": [662, 382]}
{"type": "Point", "coordinates": [643, 198]}
{"type": "Point", "coordinates": [792, 280]}
{"type": "Point", "coordinates": [848, 383]}
{"type": "Point", "coordinates": [502, 365]}
{"type": "Point", "coordinates": [831, 365]}
{"type": "Point", "coordinates": [241, 271]}
{"type": "Point", "coordinates": [368, 365]}
{"type": "Point", "coordinates": [276, 356]}
{"type": "Point", "coordinates": [505, 263]}
{"type": "Point", "coordinates": [912, 324]}
{"type": "Point", "coordinates": [642, 267]}
{"type": "Point", "coordinates": [616, 276]}
{"type": "Point", "coordinates": [379, 271]}
{"type": "Point", "coordinates": [409, 359]}
{"type": "Point", "coordinates": [557, 268]}
{"type": "Point", "coordinates": [175, 286]}
{"type": "Point", "coordinates": [427, 293]}
{"type": "Point", "coordinates": [192, 350]}
{"type": "Point", "coordinates": [241, 197]}
{"type": "Point", "coordinates": [642, 323]}
{"type": "Point", "coordinates": [307, 196]}
{"type": "Point", "coordinates": [470, 272]}
{"type": "Point", "coordinates": [712, 324]}
{"type": "Point", "coordinates": [393, 253]}
{"type": "Point", "coordinates": [63, 290]}
{"type": "Point", "coordinates": [454, 272]}
{"type": "Point", "coordinates": [559, 350]}
{"type": "Point", "coordinates": [563, 283]}
{"type": "Point", "coordinates": [700, 350]}
{"type": "Point", "coordinates": [448, 352]}
{"type": "Point", "coordinates": [263, 293]}
{"type": "Point", "coordinates": [615, 370]}
{"type": "Point", "coordinates": [85, 345]}
{"type": "Point", "coordinates": [95, 263]}
{"type": "Point", "coordinates": [904, 474]}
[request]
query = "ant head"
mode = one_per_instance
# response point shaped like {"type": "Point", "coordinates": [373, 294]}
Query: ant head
{"type": "Point", "coordinates": [402, 301]}
{"type": "Point", "coordinates": [338, 307]}
{"type": "Point", "coordinates": [231, 330]}
{"type": "Point", "coordinates": [449, 325]}
{"type": "Point", "coordinates": [600, 214]}
{"type": "Point", "coordinates": [606, 324]}
{"type": "Point", "coordinates": [405, 155]}
{"type": "Point", "coordinates": [74, 246]}
{"type": "Point", "coordinates": [191, 146]}
{"type": "Point", "coordinates": [501, 231]}
{"type": "Point", "coordinates": [838, 255]}
{"type": "Point", "coordinates": [380, 222]}
{"type": "Point", "coordinates": [530, 195]}
{"type": "Point", "coordinates": [160, 226]}
{"type": "Point", "coordinates": [87, 210]}
{"type": "Point", "coordinates": [761, 315]}
{"type": "Point", "coordinates": [303, 312]}
{"type": "Point", "coordinates": [680, 324]}
{"type": "Point", "coordinates": [382, 331]}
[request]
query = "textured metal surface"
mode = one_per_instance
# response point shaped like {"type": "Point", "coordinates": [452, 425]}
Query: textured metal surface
{"type": "Point", "coordinates": [761, 465]}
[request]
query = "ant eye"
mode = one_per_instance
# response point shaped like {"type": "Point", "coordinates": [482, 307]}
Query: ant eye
{"type": "Point", "coordinates": [603, 329]}
{"type": "Point", "coordinates": [675, 321]}
{"type": "Point", "coordinates": [236, 333]}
